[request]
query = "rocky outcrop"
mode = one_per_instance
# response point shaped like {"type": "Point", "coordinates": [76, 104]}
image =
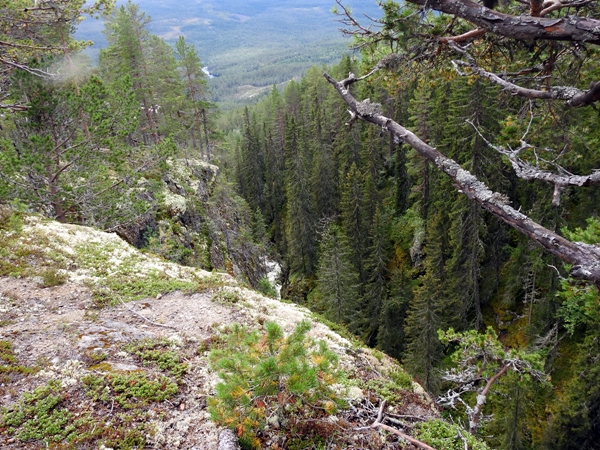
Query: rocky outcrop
{"type": "Point", "coordinates": [111, 351]}
{"type": "Point", "coordinates": [199, 221]}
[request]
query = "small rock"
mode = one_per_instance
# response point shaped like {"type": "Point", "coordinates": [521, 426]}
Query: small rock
{"type": "Point", "coordinates": [176, 340]}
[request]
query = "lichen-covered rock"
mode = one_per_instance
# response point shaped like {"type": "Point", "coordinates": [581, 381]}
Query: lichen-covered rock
{"type": "Point", "coordinates": [198, 220]}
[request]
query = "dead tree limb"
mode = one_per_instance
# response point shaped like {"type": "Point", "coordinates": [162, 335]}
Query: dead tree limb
{"type": "Point", "coordinates": [526, 171]}
{"type": "Point", "coordinates": [378, 424]}
{"type": "Point", "coordinates": [571, 95]}
{"type": "Point", "coordinates": [569, 28]}
{"type": "Point", "coordinates": [584, 257]}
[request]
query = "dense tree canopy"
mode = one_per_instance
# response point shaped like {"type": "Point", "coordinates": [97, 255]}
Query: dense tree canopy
{"type": "Point", "coordinates": [515, 49]}
{"type": "Point", "coordinates": [472, 125]}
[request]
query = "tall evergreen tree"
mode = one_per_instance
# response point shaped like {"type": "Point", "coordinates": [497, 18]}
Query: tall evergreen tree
{"type": "Point", "coordinates": [128, 55]}
{"type": "Point", "coordinates": [354, 225]}
{"type": "Point", "coordinates": [196, 88]}
{"type": "Point", "coordinates": [300, 217]}
{"type": "Point", "coordinates": [337, 281]}
{"type": "Point", "coordinates": [428, 310]}
{"type": "Point", "coordinates": [251, 163]}
{"type": "Point", "coordinates": [376, 291]}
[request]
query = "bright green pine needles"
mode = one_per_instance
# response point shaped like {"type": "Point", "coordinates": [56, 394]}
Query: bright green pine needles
{"type": "Point", "coordinates": [266, 375]}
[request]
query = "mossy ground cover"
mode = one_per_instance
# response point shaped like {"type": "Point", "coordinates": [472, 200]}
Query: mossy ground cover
{"type": "Point", "coordinates": [111, 269]}
{"type": "Point", "coordinates": [104, 407]}
{"type": "Point", "coordinates": [10, 369]}
{"type": "Point", "coordinates": [55, 416]}
{"type": "Point", "coordinates": [23, 254]}
{"type": "Point", "coordinates": [302, 395]}
{"type": "Point", "coordinates": [161, 352]}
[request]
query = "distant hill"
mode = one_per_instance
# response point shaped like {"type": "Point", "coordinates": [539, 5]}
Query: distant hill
{"type": "Point", "coordinates": [250, 45]}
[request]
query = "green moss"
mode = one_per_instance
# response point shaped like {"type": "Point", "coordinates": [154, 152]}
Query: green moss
{"type": "Point", "coordinates": [386, 389]}
{"type": "Point", "coordinates": [131, 287]}
{"type": "Point", "coordinates": [27, 255]}
{"type": "Point", "coordinates": [127, 280]}
{"type": "Point", "coordinates": [9, 366]}
{"type": "Point", "coordinates": [203, 284]}
{"type": "Point", "coordinates": [96, 356]}
{"type": "Point", "coordinates": [401, 378]}
{"type": "Point", "coordinates": [339, 329]}
{"type": "Point", "coordinates": [226, 297]}
{"type": "Point", "coordinates": [161, 353]}
{"type": "Point", "coordinates": [42, 415]}
{"type": "Point", "coordinates": [53, 277]}
{"type": "Point", "coordinates": [10, 220]}
{"type": "Point", "coordinates": [129, 390]}
{"type": "Point", "coordinates": [6, 352]}
{"type": "Point", "coordinates": [39, 416]}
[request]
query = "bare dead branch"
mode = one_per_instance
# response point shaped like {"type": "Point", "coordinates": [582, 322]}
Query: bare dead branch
{"type": "Point", "coordinates": [572, 96]}
{"type": "Point", "coordinates": [555, 5]}
{"type": "Point", "coordinates": [31, 47]}
{"type": "Point", "coordinates": [143, 317]}
{"type": "Point", "coordinates": [14, 107]}
{"type": "Point", "coordinates": [378, 424]}
{"type": "Point", "coordinates": [526, 171]}
{"type": "Point", "coordinates": [586, 258]}
{"type": "Point", "coordinates": [31, 70]}
{"type": "Point", "coordinates": [475, 414]}
{"type": "Point", "coordinates": [348, 20]}
{"type": "Point", "coordinates": [586, 98]}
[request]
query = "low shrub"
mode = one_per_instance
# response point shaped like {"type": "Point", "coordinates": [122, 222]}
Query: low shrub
{"type": "Point", "coordinates": [268, 377]}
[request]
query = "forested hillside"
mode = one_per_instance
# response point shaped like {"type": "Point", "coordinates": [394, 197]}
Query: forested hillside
{"type": "Point", "coordinates": [76, 137]}
{"type": "Point", "coordinates": [375, 236]}
{"type": "Point", "coordinates": [436, 197]}
{"type": "Point", "coordinates": [247, 45]}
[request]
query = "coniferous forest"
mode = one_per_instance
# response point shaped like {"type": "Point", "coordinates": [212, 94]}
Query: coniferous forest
{"type": "Point", "coordinates": [464, 248]}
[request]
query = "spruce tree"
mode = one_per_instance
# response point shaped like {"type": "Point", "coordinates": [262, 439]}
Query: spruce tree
{"type": "Point", "coordinates": [251, 163]}
{"type": "Point", "coordinates": [337, 281]}
{"type": "Point", "coordinates": [428, 311]}
{"type": "Point", "coordinates": [376, 290]}
{"type": "Point", "coordinates": [300, 217]}
{"type": "Point", "coordinates": [128, 54]}
{"type": "Point", "coordinates": [353, 221]}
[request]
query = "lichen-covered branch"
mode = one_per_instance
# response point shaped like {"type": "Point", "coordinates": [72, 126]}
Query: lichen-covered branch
{"type": "Point", "coordinates": [378, 424]}
{"type": "Point", "coordinates": [585, 258]}
{"type": "Point", "coordinates": [526, 171]}
{"type": "Point", "coordinates": [569, 28]}
{"type": "Point", "coordinates": [481, 360]}
{"type": "Point", "coordinates": [571, 95]}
